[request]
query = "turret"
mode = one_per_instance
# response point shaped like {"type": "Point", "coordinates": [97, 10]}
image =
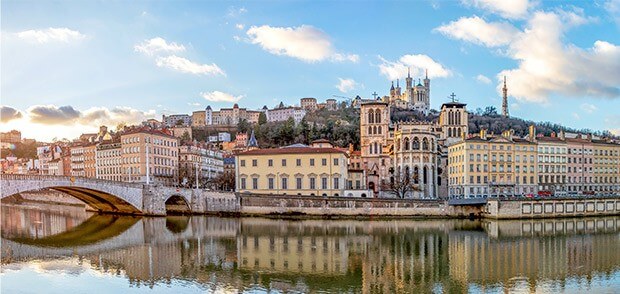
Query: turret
{"type": "Point", "coordinates": [409, 80]}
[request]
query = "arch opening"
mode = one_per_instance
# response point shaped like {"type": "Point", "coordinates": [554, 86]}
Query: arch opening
{"type": "Point", "coordinates": [177, 205]}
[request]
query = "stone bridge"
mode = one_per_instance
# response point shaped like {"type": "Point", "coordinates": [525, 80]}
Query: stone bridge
{"type": "Point", "coordinates": [121, 197]}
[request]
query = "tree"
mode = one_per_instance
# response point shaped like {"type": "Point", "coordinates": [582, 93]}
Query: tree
{"type": "Point", "coordinates": [179, 122]}
{"type": "Point", "coordinates": [490, 111]}
{"type": "Point", "coordinates": [243, 126]}
{"type": "Point", "coordinates": [262, 118]}
{"type": "Point", "coordinates": [223, 182]}
{"type": "Point", "coordinates": [401, 184]}
{"type": "Point", "coordinates": [185, 138]}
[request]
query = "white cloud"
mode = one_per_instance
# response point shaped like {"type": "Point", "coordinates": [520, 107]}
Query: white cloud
{"type": "Point", "coordinates": [304, 42]}
{"type": "Point", "coordinates": [346, 85]}
{"type": "Point", "coordinates": [613, 8]}
{"type": "Point", "coordinates": [186, 66]}
{"type": "Point", "coordinates": [8, 113]}
{"type": "Point", "coordinates": [239, 26]}
{"type": "Point", "coordinates": [158, 45]}
{"type": "Point", "coordinates": [96, 116]}
{"type": "Point", "coordinates": [48, 35]}
{"type": "Point", "coordinates": [589, 108]}
{"type": "Point", "coordinates": [476, 30]}
{"type": "Point", "coordinates": [548, 66]}
{"type": "Point", "coordinates": [217, 96]}
{"type": "Point", "coordinates": [576, 116]}
{"type": "Point", "coordinates": [513, 9]}
{"type": "Point", "coordinates": [483, 79]}
{"type": "Point", "coordinates": [418, 63]}
{"type": "Point", "coordinates": [193, 103]}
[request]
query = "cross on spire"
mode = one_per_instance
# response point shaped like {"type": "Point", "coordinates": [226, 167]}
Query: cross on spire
{"type": "Point", "coordinates": [453, 97]}
{"type": "Point", "coordinates": [374, 94]}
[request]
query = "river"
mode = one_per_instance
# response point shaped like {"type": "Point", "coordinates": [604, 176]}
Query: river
{"type": "Point", "coordinates": [68, 250]}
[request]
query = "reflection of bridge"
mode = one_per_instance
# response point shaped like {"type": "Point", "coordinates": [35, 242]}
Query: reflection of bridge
{"type": "Point", "coordinates": [115, 197]}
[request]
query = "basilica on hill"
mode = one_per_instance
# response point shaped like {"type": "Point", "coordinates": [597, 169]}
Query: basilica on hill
{"type": "Point", "coordinates": [414, 97]}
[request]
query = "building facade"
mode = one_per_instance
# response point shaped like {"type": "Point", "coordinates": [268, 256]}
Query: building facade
{"type": "Point", "coordinates": [109, 161]}
{"type": "Point", "coordinates": [159, 147]}
{"type": "Point", "coordinates": [374, 141]}
{"type": "Point", "coordinates": [292, 170]}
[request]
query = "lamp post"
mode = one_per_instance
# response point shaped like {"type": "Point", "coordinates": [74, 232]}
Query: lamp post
{"type": "Point", "coordinates": [148, 178]}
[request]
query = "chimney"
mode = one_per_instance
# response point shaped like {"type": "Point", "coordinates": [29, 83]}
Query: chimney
{"type": "Point", "coordinates": [532, 133]}
{"type": "Point", "coordinates": [483, 134]}
{"type": "Point", "coordinates": [562, 135]}
{"type": "Point", "coordinates": [552, 134]}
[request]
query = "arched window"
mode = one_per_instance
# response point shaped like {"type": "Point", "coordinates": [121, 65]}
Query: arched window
{"type": "Point", "coordinates": [369, 130]}
{"type": "Point", "coordinates": [432, 144]}
{"type": "Point", "coordinates": [424, 175]}
{"type": "Point", "coordinates": [459, 130]}
{"type": "Point", "coordinates": [458, 118]}
{"type": "Point", "coordinates": [406, 143]}
{"type": "Point", "coordinates": [449, 132]}
{"type": "Point", "coordinates": [374, 130]}
{"type": "Point", "coordinates": [416, 172]}
{"type": "Point", "coordinates": [416, 144]}
{"type": "Point", "coordinates": [397, 145]}
{"type": "Point", "coordinates": [379, 130]}
{"type": "Point", "coordinates": [450, 117]}
{"type": "Point", "coordinates": [406, 171]}
{"type": "Point", "coordinates": [371, 116]}
{"type": "Point", "coordinates": [378, 116]}
{"type": "Point", "coordinates": [370, 149]}
{"type": "Point", "coordinates": [424, 144]}
{"type": "Point", "coordinates": [376, 148]}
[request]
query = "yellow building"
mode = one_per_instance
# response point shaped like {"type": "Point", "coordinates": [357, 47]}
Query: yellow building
{"type": "Point", "coordinates": [292, 170]}
{"type": "Point", "coordinates": [486, 165]}
{"type": "Point", "coordinates": [606, 167]}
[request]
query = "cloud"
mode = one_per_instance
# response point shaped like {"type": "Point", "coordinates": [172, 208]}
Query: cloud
{"type": "Point", "coordinates": [49, 35]}
{"type": "Point", "coordinates": [613, 8]}
{"type": "Point", "coordinates": [96, 116]}
{"type": "Point", "coordinates": [186, 66]}
{"type": "Point", "coordinates": [483, 79]}
{"type": "Point", "coordinates": [193, 104]}
{"type": "Point", "coordinates": [476, 30]}
{"type": "Point", "coordinates": [418, 63]}
{"type": "Point", "coordinates": [346, 85]}
{"type": "Point", "coordinates": [217, 96]}
{"type": "Point", "coordinates": [589, 108]}
{"type": "Point", "coordinates": [239, 26]}
{"type": "Point", "coordinates": [305, 42]}
{"type": "Point", "coordinates": [547, 66]}
{"type": "Point", "coordinates": [512, 9]}
{"type": "Point", "coordinates": [8, 114]}
{"type": "Point", "coordinates": [53, 115]}
{"type": "Point", "coordinates": [158, 45]}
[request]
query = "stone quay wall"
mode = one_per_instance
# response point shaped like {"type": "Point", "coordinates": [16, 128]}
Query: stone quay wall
{"type": "Point", "coordinates": [551, 208]}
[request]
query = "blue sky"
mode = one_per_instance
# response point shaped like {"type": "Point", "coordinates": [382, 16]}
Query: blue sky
{"type": "Point", "coordinates": [69, 66]}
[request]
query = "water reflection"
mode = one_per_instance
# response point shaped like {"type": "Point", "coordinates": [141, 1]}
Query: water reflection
{"type": "Point", "coordinates": [211, 253]}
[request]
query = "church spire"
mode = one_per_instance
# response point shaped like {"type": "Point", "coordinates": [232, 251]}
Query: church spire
{"type": "Point", "coordinates": [392, 88]}
{"type": "Point", "coordinates": [426, 70]}
{"type": "Point", "coordinates": [505, 99]}
{"type": "Point", "coordinates": [408, 72]}
{"type": "Point", "coordinates": [397, 83]}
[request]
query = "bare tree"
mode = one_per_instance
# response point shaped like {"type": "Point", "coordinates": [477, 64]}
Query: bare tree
{"type": "Point", "coordinates": [401, 184]}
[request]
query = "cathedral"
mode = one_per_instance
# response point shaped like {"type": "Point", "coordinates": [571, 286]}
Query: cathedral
{"type": "Point", "coordinates": [414, 97]}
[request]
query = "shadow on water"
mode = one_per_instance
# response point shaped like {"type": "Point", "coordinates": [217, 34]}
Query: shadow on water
{"type": "Point", "coordinates": [93, 230]}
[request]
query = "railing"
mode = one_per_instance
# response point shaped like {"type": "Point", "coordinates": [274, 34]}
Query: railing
{"type": "Point", "coordinates": [5, 177]}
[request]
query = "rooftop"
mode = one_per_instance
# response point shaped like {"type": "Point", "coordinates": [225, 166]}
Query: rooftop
{"type": "Point", "coordinates": [302, 149]}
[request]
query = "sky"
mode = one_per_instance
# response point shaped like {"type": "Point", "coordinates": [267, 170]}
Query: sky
{"type": "Point", "coordinates": [69, 66]}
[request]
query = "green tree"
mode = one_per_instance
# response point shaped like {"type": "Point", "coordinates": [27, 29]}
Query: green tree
{"type": "Point", "coordinates": [243, 126]}
{"type": "Point", "coordinates": [185, 138]}
{"type": "Point", "coordinates": [262, 118]}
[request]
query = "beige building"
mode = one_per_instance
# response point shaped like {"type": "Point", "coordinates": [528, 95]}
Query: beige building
{"type": "Point", "coordinates": [552, 164]}
{"type": "Point", "coordinates": [308, 104]}
{"type": "Point", "coordinates": [606, 167]}
{"type": "Point", "coordinates": [453, 121]}
{"type": "Point", "coordinates": [199, 118]}
{"type": "Point", "coordinates": [292, 170]}
{"type": "Point", "coordinates": [109, 161]}
{"type": "Point", "coordinates": [492, 166]}
{"type": "Point", "coordinates": [163, 151]}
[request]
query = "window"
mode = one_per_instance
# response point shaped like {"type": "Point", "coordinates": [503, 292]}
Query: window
{"type": "Point", "coordinates": [336, 183]}
{"type": "Point", "coordinates": [298, 161]}
{"type": "Point", "coordinates": [270, 183]}
{"type": "Point", "coordinates": [324, 183]}
{"type": "Point", "coordinates": [324, 161]}
{"type": "Point", "coordinates": [242, 183]}
{"type": "Point", "coordinates": [283, 162]}
{"type": "Point", "coordinates": [311, 161]}
{"type": "Point", "coordinates": [254, 162]}
{"type": "Point", "coordinates": [312, 183]}
{"type": "Point", "coordinates": [335, 161]}
{"type": "Point", "coordinates": [243, 162]}
{"type": "Point", "coordinates": [255, 183]}
{"type": "Point", "coordinates": [270, 162]}
{"type": "Point", "coordinates": [284, 183]}
{"type": "Point", "coordinates": [298, 183]}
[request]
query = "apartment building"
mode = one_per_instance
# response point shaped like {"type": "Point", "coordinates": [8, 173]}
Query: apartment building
{"type": "Point", "coordinates": [150, 156]}
{"type": "Point", "coordinates": [292, 170]}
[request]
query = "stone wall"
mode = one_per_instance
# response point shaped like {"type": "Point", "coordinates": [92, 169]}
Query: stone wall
{"type": "Point", "coordinates": [549, 208]}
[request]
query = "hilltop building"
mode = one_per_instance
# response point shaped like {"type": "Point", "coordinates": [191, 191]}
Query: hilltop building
{"type": "Point", "coordinates": [415, 97]}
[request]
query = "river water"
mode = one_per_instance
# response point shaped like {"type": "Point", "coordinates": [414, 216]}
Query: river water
{"type": "Point", "coordinates": [67, 250]}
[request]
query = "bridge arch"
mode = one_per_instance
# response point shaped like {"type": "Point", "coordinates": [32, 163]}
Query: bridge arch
{"type": "Point", "coordinates": [102, 195]}
{"type": "Point", "coordinates": [177, 204]}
